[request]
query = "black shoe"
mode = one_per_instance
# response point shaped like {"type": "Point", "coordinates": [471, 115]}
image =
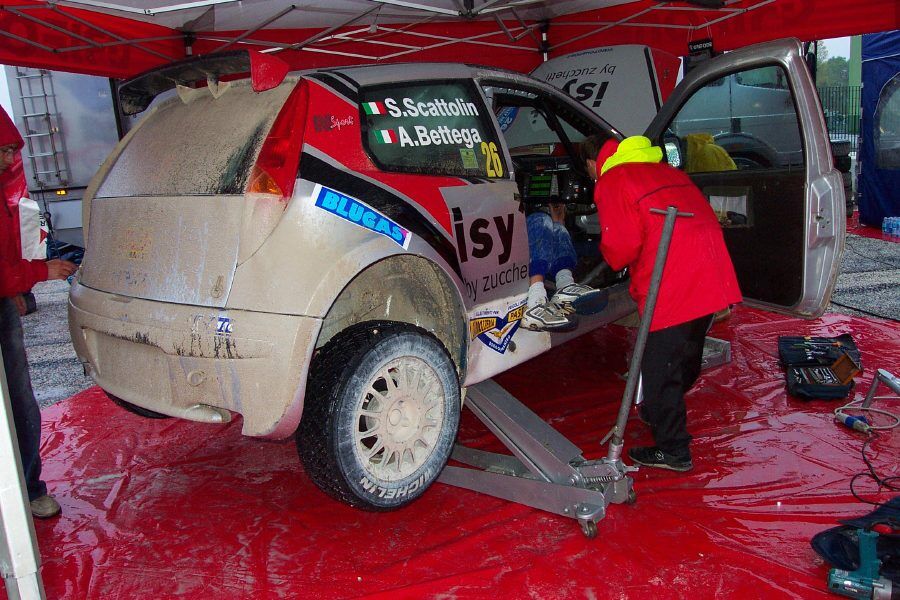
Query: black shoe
{"type": "Point", "coordinates": [654, 457]}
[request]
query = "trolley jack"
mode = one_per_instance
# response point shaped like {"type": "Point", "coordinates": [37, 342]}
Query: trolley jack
{"type": "Point", "coordinates": [547, 471]}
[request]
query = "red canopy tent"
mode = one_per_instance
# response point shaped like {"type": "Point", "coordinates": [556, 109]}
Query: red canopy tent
{"type": "Point", "coordinates": [122, 38]}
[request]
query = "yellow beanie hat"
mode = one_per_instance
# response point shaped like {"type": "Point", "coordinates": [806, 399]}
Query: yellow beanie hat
{"type": "Point", "coordinates": [634, 149]}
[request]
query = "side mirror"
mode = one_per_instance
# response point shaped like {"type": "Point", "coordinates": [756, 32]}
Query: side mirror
{"type": "Point", "coordinates": [673, 150]}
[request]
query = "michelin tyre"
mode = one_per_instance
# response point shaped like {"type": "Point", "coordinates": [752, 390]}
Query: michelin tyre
{"type": "Point", "coordinates": [381, 415]}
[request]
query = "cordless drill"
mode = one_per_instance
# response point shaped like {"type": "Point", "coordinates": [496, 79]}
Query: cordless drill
{"type": "Point", "coordinates": [865, 583]}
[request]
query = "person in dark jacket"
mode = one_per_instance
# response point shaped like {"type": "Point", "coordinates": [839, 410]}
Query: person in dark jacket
{"type": "Point", "coordinates": [698, 279]}
{"type": "Point", "coordinates": [17, 276]}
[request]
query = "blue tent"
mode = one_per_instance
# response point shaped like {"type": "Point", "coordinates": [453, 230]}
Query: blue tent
{"type": "Point", "coordinates": [879, 181]}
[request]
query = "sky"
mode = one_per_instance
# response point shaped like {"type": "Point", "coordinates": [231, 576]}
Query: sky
{"type": "Point", "coordinates": [838, 47]}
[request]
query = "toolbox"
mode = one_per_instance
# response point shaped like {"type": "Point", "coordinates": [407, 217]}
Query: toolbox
{"type": "Point", "coordinates": [819, 367]}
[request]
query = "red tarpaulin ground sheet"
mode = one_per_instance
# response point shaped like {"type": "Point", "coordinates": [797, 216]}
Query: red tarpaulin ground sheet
{"type": "Point", "coordinates": [166, 509]}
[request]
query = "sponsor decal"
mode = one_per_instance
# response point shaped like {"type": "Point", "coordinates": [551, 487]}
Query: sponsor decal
{"type": "Point", "coordinates": [205, 324]}
{"type": "Point", "coordinates": [488, 283]}
{"type": "Point", "coordinates": [607, 69]}
{"type": "Point", "coordinates": [582, 83]}
{"type": "Point", "coordinates": [507, 116]}
{"type": "Point", "coordinates": [481, 235]}
{"type": "Point", "coordinates": [332, 122]}
{"type": "Point", "coordinates": [495, 329]}
{"type": "Point", "coordinates": [224, 326]}
{"type": "Point", "coordinates": [361, 214]}
{"type": "Point", "coordinates": [480, 238]}
{"type": "Point", "coordinates": [586, 91]}
{"type": "Point", "coordinates": [374, 108]}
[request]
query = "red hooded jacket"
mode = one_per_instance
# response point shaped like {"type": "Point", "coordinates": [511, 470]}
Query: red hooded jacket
{"type": "Point", "coordinates": [16, 275]}
{"type": "Point", "coordinates": [698, 278]}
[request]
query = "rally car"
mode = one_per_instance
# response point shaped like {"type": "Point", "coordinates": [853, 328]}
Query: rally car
{"type": "Point", "coordinates": [337, 254]}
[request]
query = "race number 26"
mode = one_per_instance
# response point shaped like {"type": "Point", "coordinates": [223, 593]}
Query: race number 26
{"type": "Point", "coordinates": [493, 164]}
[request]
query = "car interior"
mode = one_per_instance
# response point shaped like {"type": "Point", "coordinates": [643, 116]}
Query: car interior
{"type": "Point", "coordinates": [544, 136]}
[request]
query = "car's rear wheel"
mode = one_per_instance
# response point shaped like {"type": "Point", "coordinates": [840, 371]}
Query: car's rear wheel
{"type": "Point", "coordinates": [381, 415]}
{"type": "Point", "coordinates": [138, 410]}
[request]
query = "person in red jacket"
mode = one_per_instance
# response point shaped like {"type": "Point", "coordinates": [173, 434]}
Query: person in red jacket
{"type": "Point", "coordinates": [698, 279]}
{"type": "Point", "coordinates": [17, 276]}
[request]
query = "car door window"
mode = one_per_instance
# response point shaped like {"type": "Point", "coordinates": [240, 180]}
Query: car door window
{"type": "Point", "coordinates": [542, 134]}
{"type": "Point", "coordinates": [747, 117]}
{"type": "Point", "coordinates": [432, 127]}
{"type": "Point", "coordinates": [739, 138]}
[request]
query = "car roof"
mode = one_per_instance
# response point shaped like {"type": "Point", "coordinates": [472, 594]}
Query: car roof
{"type": "Point", "coordinates": [397, 72]}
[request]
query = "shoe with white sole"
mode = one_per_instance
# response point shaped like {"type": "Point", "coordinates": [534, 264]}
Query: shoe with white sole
{"type": "Point", "coordinates": [547, 317]}
{"type": "Point", "coordinates": [581, 299]}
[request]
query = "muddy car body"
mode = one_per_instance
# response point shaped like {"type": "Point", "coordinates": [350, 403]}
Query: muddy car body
{"type": "Point", "coordinates": [349, 246]}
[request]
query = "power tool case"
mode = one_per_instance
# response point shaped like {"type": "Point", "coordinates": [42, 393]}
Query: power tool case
{"type": "Point", "coordinates": [840, 545]}
{"type": "Point", "coordinates": [819, 368]}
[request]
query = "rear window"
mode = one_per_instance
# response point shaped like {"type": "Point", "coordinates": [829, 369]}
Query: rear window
{"type": "Point", "coordinates": [204, 147]}
{"type": "Point", "coordinates": [439, 128]}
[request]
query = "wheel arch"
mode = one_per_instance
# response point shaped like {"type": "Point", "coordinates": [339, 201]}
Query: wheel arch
{"type": "Point", "coordinates": [747, 145]}
{"type": "Point", "coordinates": [408, 289]}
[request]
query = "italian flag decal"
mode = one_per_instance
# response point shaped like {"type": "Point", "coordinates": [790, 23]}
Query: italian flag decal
{"type": "Point", "coordinates": [386, 136]}
{"type": "Point", "coordinates": [374, 108]}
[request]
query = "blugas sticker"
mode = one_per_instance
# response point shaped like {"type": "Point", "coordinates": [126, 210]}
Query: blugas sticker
{"type": "Point", "coordinates": [361, 214]}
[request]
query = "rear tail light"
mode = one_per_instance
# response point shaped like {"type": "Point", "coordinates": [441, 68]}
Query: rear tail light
{"type": "Point", "coordinates": [279, 158]}
{"type": "Point", "coordinates": [273, 176]}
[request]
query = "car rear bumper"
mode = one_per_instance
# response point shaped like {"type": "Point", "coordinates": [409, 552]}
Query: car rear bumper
{"type": "Point", "coordinates": [179, 359]}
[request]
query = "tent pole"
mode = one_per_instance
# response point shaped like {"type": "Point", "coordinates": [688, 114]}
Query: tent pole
{"type": "Point", "coordinates": [109, 33]}
{"type": "Point", "coordinates": [19, 558]}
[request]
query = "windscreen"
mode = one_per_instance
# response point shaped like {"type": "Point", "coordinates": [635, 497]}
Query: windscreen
{"type": "Point", "coordinates": [204, 146]}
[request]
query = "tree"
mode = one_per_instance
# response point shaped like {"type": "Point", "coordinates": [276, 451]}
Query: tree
{"type": "Point", "coordinates": [834, 71]}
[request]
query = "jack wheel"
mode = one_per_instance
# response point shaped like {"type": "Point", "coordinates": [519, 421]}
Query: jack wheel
{"type": "Point", "coordinates": [632, 497]}
{"type": "Point", "coordinates": [589, 529]}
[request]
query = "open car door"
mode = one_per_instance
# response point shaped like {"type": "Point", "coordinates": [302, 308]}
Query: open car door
{"type": "Point", "coordinates": [748, 128]}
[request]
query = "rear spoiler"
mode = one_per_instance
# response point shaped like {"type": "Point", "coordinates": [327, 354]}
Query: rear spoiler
{"type": "Point", "coordinates": [266, 72]}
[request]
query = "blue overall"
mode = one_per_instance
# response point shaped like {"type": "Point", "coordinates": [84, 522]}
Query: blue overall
{"type": "Point", "coordinates": [549, 246]}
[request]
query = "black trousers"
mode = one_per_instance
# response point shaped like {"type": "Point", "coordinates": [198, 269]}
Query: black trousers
{"type": "Point", "coordinates": [26, 414]}
{"type": "Point", "coordinates": [670, 367]}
